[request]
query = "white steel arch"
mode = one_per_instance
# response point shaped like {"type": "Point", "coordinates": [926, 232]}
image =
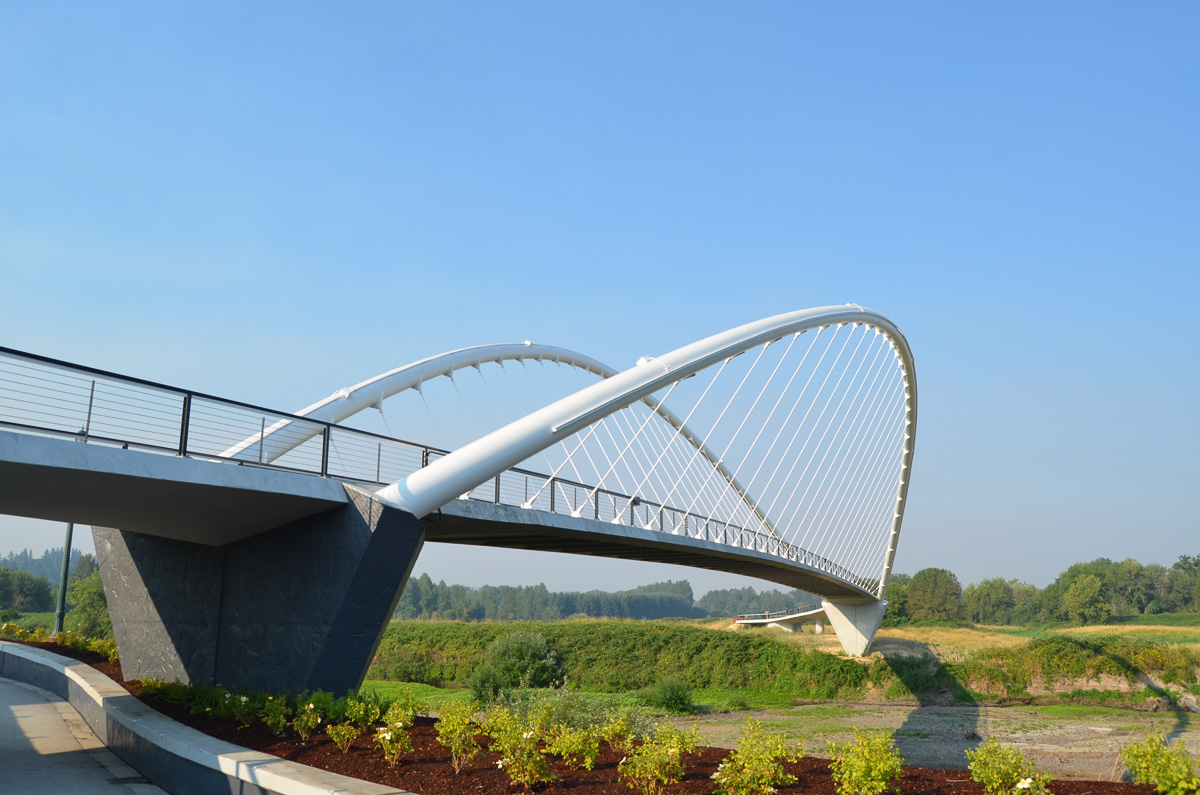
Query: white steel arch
{"type": "Point", "coordinates": [345, 403]}
{"type": "Point", "coordinates": [459, 472]}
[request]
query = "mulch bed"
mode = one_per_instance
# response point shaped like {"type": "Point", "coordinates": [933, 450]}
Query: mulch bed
{"type": "Point", "coordinates": [427, 769]}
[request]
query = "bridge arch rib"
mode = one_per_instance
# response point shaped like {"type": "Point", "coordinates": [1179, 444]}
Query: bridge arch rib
{"type": "Point", "coordinates": [465, 469]}
{"type": "Point", "coordinates": [284, 435]}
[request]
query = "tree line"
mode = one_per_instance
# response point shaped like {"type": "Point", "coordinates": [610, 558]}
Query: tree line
{"type": "Point", "coordinates": [1086, 593]}
{"type": "Point", "coordinates": [23, 590]}
{"type": "Point", "coordinates": [424, 599]}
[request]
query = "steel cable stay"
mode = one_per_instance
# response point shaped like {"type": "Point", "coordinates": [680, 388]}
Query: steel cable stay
{"type": "Point", "coordinates": [867, 464]}
{"type": "Point", "coordinates": [820, 466]}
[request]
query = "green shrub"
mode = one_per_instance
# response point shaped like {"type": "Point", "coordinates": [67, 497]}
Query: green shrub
{"type": "Point", "coordinates": [517, 742]}
{"type": "Point", "coordinates": [867, 765]}
{"type": "Point", "coordinates": [362, 712]}
{"type": "Point", "coordinates": [457, 732]}
{"type": "Point", "coordinates": [343, 735]}
{"type": "Point", "coordinates": [659, 760]}
{"type": "Point", "coordinates": [276, 714]}
{"type": "Point", "coordinates": [756, 765]}
{"type": "Point", "coordinates": [404, 710]}
{"type": "Point", "coordinates": [306, 721]}
{"type": "Point", "coordinates": [575, 745]}
{"type": "Point", "coordinates": [393, 741]}
{"type": "Point", "coordinates": [669, 695]}
{"type": "Point", "coordinates": [514, 660]}
{"type": "Point", "coordinates": [1002, 769]}
{"type": "Point", "coordinates": [1167, 767]}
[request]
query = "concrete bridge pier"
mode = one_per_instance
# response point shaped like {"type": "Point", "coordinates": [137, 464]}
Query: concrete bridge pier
{"type": "Point", "coordinates": [299, 607]}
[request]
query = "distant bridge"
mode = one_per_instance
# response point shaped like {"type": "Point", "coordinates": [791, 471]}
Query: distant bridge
{"type": "Point", "coordinates": [260, 548]}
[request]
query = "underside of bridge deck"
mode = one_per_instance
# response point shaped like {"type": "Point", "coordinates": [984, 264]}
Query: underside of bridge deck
{"type": "Point", "coordinates": [485, 524]}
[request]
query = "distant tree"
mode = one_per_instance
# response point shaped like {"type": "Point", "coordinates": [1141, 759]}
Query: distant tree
{"type": "Point", "coordinates": [89, 615]}
{"type": "Point", "coordinates": [1085, 602]}
{"type": "Point", "coordinates": [988, 602]}
{"type": "Point", "coordinates": [934, 594]}
{"type": "Point", "coordinates": [25, 593]}
{"type": "Point", "coordinates": [84, 565]}
{"type": "Point", "coordinates": [896, 597]}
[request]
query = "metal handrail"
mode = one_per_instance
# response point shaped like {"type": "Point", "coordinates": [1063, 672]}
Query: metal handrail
{"type": "Point", "coordinates": [192, 425]}
{"type": "Point", "coordinates": [779, 613]}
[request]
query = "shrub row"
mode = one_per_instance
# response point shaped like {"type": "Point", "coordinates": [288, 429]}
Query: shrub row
{"type": "Point", "coordinates": [619, 656]}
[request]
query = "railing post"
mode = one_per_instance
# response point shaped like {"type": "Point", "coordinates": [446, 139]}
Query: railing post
{"type": "Point", "coordinates": [596, 503]}
{"type": "Point", "coordinates": [185, 422]}
{"type": "Point", "coordinates": [424, 457]}
{"type": "Point", "coordinates": [87, 427]}
{"type": "Point", "coordinates": [262, 438]}
{"type": "Point", "coordinates": [378, 462]}
{"type": "Point", "coordinates": [325, 452]}
{"type": "Point", "coordinates": [551, 495]}
{"type": "Point", "coordinates": [497, 489]}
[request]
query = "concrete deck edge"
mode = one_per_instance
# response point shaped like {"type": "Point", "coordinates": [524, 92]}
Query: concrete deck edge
{"type": "Point", "coordinates": [179, 759]}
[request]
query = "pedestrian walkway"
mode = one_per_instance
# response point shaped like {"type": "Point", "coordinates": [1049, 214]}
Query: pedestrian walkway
{"type": "Point", "coordinates": [46, 747]}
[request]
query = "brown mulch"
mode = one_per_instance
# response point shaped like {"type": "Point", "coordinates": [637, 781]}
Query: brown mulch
{"type": "Point", "coordinates": [426, 770]}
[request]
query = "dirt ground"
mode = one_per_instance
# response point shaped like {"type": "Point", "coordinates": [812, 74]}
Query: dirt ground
{"type": "Point", "coordinates": [1076, 742]}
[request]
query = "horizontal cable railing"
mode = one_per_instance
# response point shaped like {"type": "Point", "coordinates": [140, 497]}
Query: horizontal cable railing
{"type": "Point", "coordinates": [776, 614]}
{"type": "Point", "coordinates": [49, 397]}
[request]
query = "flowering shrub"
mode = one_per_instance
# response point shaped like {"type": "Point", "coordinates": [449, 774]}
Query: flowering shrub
{"type": "Point", "coordinates": [276, 713]}
{"type": "Point", "coordinates": [866, 765]}
{"type": "Point", "coordinates": [517, 742]}
{"type": "Point", "coordinates": [1002, 769]}
{"type": "Point", "coordinates": [9, 630]}
{"type": "Point", "coordinates": [1167, 767]}
{"type": "Point", "coordinates": [659, 759]}
{"type": "Point", "coordinates": [393, 741]}
{"type": "Point", "coordinates": [306, 722]}
{"type": "Point", "coordinates": [343, 734]}
{"type": "Point", "coordinates": [457, 732]}
{"type": "Point", "coordinates": [576, 745]}
{"type": "Point", "coordinates": [756, 766]}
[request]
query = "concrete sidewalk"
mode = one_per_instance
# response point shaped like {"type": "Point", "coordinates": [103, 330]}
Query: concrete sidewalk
{"type": "Point", "coordinates": [46, 747]}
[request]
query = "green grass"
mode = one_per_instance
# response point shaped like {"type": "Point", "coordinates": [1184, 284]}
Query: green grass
{"type": "Point", "coordinates": [32, 621]}
{"type": "Point", "coordinates": [1162, 619]}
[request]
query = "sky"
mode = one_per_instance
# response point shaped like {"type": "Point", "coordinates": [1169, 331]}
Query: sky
{"type": "Point", "coordinates": [270, 201]}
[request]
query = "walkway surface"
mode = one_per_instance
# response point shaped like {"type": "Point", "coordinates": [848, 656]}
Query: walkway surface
{"type": "Point", "coordinates": [46, 747]}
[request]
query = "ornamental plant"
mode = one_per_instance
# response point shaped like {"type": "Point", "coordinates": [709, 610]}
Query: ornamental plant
{"type": "Point", "coordinates": [457, 732]}
{"type": "Point", "coordinates": [306, 722]}
{"type": "Point", "coordinates": [867, 765]}
{"type": "Point", "coordinates": [344, 734]}
{"type": "Point", "coordinates": [517, 741]}
{"type": "Point", "coordinates": [576, 745]}
{"type": "Point", "coordinates": [658, 761]}
{"type": "Point", "coordinates": [364, 713]}
{"type": "Point", "coordinates": [620, 732]}
{"type": "Point", "coordinates": [404, 710]}
{"type": "Point", "coordinates": [1003, 769]}
{"type": "Point", "coordinates": [756, 765]}
{"type": "Point", "coordinates": [1167, 767]}
{"type": "Point", "coordinates": [276, 714]}
{"type": "Point", "coordinates": [393, 741]}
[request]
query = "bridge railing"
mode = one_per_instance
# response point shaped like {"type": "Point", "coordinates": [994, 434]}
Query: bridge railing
{"type": "Point", "coordinates": [50, 397]}
{"type": "Point", "coordinates": [795, 611]}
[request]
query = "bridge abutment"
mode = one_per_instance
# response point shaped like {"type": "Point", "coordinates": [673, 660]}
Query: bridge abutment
{"type": "Point", "coordinates": [300, 607]}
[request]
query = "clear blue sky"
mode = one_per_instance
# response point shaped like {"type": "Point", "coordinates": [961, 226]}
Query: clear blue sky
{"type": "Point", "coordinates": [270, 201]}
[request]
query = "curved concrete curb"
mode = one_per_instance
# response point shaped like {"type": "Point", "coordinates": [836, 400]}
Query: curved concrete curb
{"type": "Point", "coordinates": [179, 759]}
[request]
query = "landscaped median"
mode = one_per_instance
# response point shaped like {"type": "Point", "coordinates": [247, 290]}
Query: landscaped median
{"type": "Point", "coordinates": [178, 759]}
